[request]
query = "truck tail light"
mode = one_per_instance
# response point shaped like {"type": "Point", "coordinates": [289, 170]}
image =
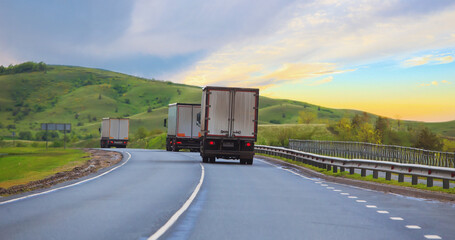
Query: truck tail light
{"type": "Point", "coordinates": [112, 141]}
{"type": "Point", "coordinates": [179, 142]}
{"type": "Point", "coordinates": [212, 143]}
{"type": "Point", "coordinates": [124, 142]}
{"type": "Point", "coordinates": [248, 144]}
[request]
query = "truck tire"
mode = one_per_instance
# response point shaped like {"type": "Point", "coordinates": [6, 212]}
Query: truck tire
{"type": "Point", "coordinates": [212, 159]}
{"type": "Point", "coordinates": [242, 161]}
{"type": "Point", "coordinates": [205, 159]}
{"type": "Point", "coordinates": [249, 162]}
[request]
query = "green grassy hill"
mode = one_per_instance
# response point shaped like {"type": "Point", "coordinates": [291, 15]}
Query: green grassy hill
{"type": "Point", "coordinates": [82, 96]}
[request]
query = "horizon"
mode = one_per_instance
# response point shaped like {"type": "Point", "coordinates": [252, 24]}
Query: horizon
{"type": "Point", "coordinates": [393, 59]}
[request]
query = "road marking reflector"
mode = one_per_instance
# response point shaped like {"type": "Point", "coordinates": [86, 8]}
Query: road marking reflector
{"type": "Point", "coordinates": [371, 206]}
{"type": "Point", "coordinates": [177, 214]}
{"type": "Point", "coordinates": [361, 201]}
{"type": "Point", "coordinates": [396, 218]}
{"type": "Point", "coordinates": [383, 212]}
{"type": "Point", "coordinates": [413, 227]}
{"type": "Point", "coordinates": [432, 237]}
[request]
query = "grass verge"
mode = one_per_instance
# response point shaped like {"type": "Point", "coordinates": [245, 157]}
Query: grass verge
{"type": "Point", "coordinates": [22, 165]}
{"type": "Point", "coordinates": [359, 177]}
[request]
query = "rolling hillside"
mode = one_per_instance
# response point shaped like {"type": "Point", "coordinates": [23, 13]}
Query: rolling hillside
{"type": "Point", "coordinates": [82, 96]}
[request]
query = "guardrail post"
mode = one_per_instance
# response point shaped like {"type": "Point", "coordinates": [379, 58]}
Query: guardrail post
{"type": "Point", "coordinates": [388, 176]}
{"type": "Point", "coordinates": [445, 184]}
{"type": "Point", "coordinates": [351, 170]}
{"type": "Point", "coordinates": [414, 180]}
{"type": "Point", "coordinates": [400, 177]}
{"type": "Point", "coordinates": [363, 172]}
{"type": "Point", "coordinates": [375, 173]}
{"type": "Point", "coordinates": [429, 182]}
{"type": "Point", "coordinates": [335, 169]}
{"type": "Point", "coordinates": [342, 169]}
{"type": "Point", "coordinates": [329, 167]}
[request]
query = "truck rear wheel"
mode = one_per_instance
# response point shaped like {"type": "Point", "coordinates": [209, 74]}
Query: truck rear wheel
{"type": "Point", "coordinates": [249, 162]}
{"type": "Point", "coordinates": [242, 161]}
{"type": "Point", "coordinates": [205, 159]}
{"type": "Point", "coordinates": [212, 159]}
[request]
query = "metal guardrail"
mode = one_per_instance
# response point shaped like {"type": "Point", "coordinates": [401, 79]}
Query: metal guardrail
{"type": "Point", "coordinates": [335, 163]}
{"type": "Point", "coordinates": [377, 152]}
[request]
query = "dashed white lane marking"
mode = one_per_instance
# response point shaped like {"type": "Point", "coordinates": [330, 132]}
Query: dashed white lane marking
{"type": "Point", "coordinates": [344, 193]}
{"type": "Point", "coordinates": [67, 186]}
{"type": "Point", "coordinates": [413, 227]}
{"type": "Point", "coordinates": [177, 214]}
{"type": "Point", "coordinates": [360, 201]}
{"type": "Point", "coordinates": [432, 237]}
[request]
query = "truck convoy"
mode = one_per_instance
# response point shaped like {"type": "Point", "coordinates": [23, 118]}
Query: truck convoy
{"type": "Point", "coordinates": [229, 119]}
{"type": "Point", "coordinates": [183, 131]}
{"type": "Point", "coordinates": [114, 132]}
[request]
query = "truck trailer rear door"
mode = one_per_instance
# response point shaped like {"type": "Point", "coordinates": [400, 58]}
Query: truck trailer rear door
{"type": "Point", "coordinates": [244, 116]}
{"type": "Point", "coordinates": [218, 112]}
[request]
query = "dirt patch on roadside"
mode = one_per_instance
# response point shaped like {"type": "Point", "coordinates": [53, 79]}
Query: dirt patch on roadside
{"type": "Point", "coordinates": [405, 191]}
{"type": "Point", "coordinates": [99, 159]}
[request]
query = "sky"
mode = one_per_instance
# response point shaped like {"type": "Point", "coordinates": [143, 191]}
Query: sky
{"type": "Point", "coordinates": [393, 58]}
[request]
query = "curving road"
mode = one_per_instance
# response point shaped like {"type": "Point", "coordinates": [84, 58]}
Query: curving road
{"type": "Point", "coordinates": [262, 201]}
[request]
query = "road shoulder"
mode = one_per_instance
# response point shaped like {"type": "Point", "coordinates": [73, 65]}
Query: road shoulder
{"type": "Point", "coordinates": [405, 191]}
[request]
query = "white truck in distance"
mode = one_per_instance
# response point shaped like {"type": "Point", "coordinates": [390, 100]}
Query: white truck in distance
{"type": "Point", "coordinates": [182, 130]}
{"type": "Point", "coordinates": [114, 132]}
{"type": "Point", "coordinates": [229, 119]}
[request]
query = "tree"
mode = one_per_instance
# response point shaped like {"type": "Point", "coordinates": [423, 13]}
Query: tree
{"type": "Point", "coordinates": [26, 135]}
{"type": "Point", "coordinates": [428, 140]}
{"type": "Point", "coordinates": [307, 117]}
{"type": "Point", "coordinates": [141, 133]}
{"type": "Point", "coordinates": [382, 125]}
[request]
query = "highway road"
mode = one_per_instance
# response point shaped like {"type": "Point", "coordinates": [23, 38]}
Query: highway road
{"type": "Point", "coordinates": [262, 201]}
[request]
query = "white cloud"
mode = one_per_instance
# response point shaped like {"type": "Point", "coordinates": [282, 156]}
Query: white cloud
{"type": "Point", "coordinates": [341, 33]}
{"type": "Point", "coordinates": [322, 81]}
{"type": "Point", "coordinates": [417, 61]}
{"type": "Point", "coordinates": [434, 83]}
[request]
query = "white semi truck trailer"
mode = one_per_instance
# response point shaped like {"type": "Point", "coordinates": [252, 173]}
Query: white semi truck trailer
{"type": "Point", "coordinates": [114, 132]}
{"type": "Point", "coordinates": [182, 129]}
{"type": "Point", "coordinates": [229, 120]}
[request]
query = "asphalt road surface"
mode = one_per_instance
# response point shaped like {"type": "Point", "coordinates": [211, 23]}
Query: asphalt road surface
{"type": "Point", "coordinates": [262, 201]}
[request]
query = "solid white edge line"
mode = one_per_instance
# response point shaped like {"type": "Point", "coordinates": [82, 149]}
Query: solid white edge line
{"type": "Point", "coordinates": [67, 186]}
{"type": "Point", "coordinates": [177, 214]}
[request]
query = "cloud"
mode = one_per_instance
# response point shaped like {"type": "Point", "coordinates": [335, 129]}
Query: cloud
{"type": "Point", "coordinates": [347, 33]}
{"type": "Point", "coordinates": [418, 61]}
{"type": "Point", "coordinates": [322, 81]}
{"type": "Point", "coordinates": [434, 83]}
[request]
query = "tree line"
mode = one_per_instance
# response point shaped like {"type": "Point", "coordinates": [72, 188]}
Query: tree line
{"type": "Point", "coordinates": [23, 68]}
